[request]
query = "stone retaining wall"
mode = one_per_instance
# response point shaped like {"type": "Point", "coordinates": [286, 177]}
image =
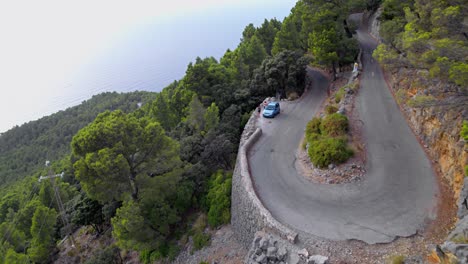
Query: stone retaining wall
{"type": "Point", "coordinates": [248, 215]}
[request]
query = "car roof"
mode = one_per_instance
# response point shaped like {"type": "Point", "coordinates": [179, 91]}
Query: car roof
{"type": "Point", "coordinates": [273, 103]}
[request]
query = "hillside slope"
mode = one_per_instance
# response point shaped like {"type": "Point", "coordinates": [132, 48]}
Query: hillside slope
{"type": "Point", "coordinates": [23, 149]}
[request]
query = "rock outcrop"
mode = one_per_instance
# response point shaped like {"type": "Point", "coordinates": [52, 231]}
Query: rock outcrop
{"type": "Point", "coordinates": [271, 249]}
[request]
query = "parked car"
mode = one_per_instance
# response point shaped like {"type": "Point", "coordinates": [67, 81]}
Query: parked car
{"type": "Point", "coordinates": [271, 110]}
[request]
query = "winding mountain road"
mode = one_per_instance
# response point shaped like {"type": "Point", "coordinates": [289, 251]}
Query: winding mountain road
{"type": "Point", "coordinates": [396, 197]}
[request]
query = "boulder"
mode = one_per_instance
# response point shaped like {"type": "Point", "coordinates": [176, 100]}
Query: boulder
{"type": "Point", "coordinates": [257, 240]}
{"type": "Point", "coordinates": [463, 200]}
{"type": "Point", "coordinates": [272, 241]}
{"type": "Point", "coordinates": [258, 251]}
{"type": "Point", "coordinates": [460, 232]}
{"type": "Point", "coordinates": [342, 110]}
{"type": "Point", "coordinates": [271, 253]}
{"type": "Point", "coordinates": [295, 259]}
{"type": "Point", "coordinates": [261, 259]}
{"type": "Point", "coordinates": [281, 254]}
{"type": "Point", "coordinates": [414, 260]}
{"type": "Point", "coordinates": [303, 252]}
{"type": "Point", "coordinates": [317, 259]}
{"type": "Point", "coordinates": [263, 244]}
{"type": "Point", "coordinates": [459, 250]}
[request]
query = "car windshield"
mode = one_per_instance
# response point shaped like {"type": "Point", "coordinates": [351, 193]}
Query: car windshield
{"type": "Point", "coordinates": [270, 107]}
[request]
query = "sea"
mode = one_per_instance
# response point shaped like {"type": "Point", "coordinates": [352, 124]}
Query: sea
{"type": "Point", "coordinates": [153, 54]}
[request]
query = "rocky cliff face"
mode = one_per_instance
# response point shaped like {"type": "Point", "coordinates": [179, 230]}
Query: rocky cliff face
{"type": "Point", "coordinates": [437, 126]}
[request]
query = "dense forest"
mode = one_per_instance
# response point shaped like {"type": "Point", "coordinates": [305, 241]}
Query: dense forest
{"type": "Point", "coordinates": [24, 149]}
{"type": "Point", "coordinates": [148, 173]}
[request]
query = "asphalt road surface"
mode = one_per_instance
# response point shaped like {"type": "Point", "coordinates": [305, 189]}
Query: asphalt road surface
{"type": "Point", "coordinates": [396, 197]}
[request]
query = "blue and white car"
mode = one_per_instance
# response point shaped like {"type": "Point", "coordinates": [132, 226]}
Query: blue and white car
{"type": "Point", "coordinates": [271, 110]}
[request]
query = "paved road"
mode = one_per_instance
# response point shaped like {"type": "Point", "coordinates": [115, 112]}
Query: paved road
{"type": "Point", "coordinates": [395, 199]}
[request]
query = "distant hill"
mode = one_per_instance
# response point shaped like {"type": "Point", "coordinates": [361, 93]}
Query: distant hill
{"type": "Point", "coordinates": [23, 149]}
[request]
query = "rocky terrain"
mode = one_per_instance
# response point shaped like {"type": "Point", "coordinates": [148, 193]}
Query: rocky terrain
{"type": "Point", "coordinates": [271, 249]}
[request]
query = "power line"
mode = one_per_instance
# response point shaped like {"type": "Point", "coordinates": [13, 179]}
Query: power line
{"type": "Point", "coordinates": [61, 208]}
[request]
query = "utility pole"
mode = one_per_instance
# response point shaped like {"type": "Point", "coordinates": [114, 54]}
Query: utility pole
{"type": "Point", "coordinates": [65, 222]}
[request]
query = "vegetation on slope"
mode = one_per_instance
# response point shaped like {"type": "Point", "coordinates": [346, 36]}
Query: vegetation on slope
{"type": "Point", "coordinates": [25, 148]}
{"type": "Point", "coordinates": [428, 35]}
{"type": "Point", "coordinates": [146, 172]}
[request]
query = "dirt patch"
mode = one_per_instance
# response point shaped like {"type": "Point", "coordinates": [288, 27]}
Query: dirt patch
{"type": "Point", "coordinates": [224, 248]}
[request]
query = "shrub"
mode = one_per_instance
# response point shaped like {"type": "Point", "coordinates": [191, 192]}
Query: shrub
{"type": "Point", "coordinates": [330, 109]}
{"type": "Point", "coordinates": [200, 223]}
{"type": "Point", "coordinates": [334, 125]}
{"type": "Point", "coordinates": [245, 118]}
{"type": "Point", "coordinates": [173, 251]}
{"type": "Point", "coordinates": [339, 95]}
{"type": "Point", "coordinates": [355, 86]}
{"type": "Point", "coordinates": [200, 240]}
{"type": "Point", "coordinates": [460, 239]}
{"type": "Point", "coordinates": [328, 150]}
{"type": "Point", "coordinates": [458, 74]}
{"type": "Point", "coordinates": [108, 255]}
{"type": "Point", "coordinates": [313, 127]}
{"type": "Point", "coordinates": [421, 101]}
{"type": "Point", "coordinates": [397, 259]}
{"type": "Point", "coordinates": [219, 199]}
{"type": "Point", "coordinates": [401, 96]}
{"type": "Point", "coordinates": [464, 131]}
{"type": "Point", "coordinates": [292, 96]}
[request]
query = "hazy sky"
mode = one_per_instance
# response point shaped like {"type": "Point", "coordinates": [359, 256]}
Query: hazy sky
{"type": "Point", "coordinates": [44, 42]}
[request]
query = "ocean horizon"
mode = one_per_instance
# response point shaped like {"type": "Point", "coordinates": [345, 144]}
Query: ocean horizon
{"type": "Point", "coordinates": [151, 55]}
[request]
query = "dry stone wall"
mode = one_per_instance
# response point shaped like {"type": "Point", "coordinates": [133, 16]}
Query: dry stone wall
{"type": "Point", "coordinates": [248, 215]}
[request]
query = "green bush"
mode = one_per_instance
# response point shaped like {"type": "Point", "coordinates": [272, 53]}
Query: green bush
{"type": "Point", "coordinates": [107, 255]}
{"type": "Point", "coordinates": [173, 251]}
{"type": "Point", "coordinates": [313, 127]}
{"type": "Point", "coordinates": [330, 109]}
{"type": "Point", "coordinates": [334, 125]}
{"type": "Point", "coordinates": [245, 118]}
{"type": "Point", "coordinates": [200, 223]}
{"type": "Point", "coordinates": [328, 150]}
{"type": "Point", "coordinates": [168, 250]}
{"type": "Point", "coordinates": [200, 240]}
{"type": "Point", "coordinates": [464, 131]}
{"type": "Point", "coordinates": [401, 96]}
{"type": "Point", "coordinates": [421, 101]}
{"type": "Point", "coordinates": [219, 199]}
{"type": "Point", "coordinates": [339, 95]}
{"type": "Point", "coordinates": [458, 74]}
{"type": "Point", "coordinates": [399, 259]}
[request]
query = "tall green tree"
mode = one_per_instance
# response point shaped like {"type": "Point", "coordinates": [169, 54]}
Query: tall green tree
{"type": "Point", "coordinates": [42, 230]}
{"type": "Point", "coordinates": [211, 117]}
{"type": "Point", "coordinates": [12, 257]}
{"type": "Point", "coordinates": [288, 37]}
{"type": "Point", "coordinates": [196, 114]}
{"type": "Point", "coordinates": [147, 223]}
{"type": "Point", "coordinates": [323, 46]}
{"type": "Point", "coordinates": [115, 150]}
{"type": "Point", "coordinates": [267, 33]}
{"type": "Point", "coordinates": [252, 52]}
